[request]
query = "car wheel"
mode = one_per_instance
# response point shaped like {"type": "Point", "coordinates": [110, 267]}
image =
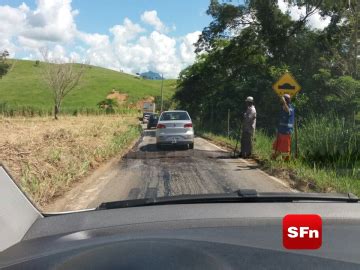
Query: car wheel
{"type": "Point", "coordinates": [191, 146]}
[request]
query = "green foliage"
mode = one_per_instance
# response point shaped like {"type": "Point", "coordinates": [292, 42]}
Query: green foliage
{"type": "Point", "coordinates": [108, 105]}
{"type": "Point", "coordinates": [329, 140]}
{"type": "Point", "coordinates": [167, 103]}
{"type": "Point", "coordinates": [249, 46]}
{"type": "Point", "coordinates": [4, 65]}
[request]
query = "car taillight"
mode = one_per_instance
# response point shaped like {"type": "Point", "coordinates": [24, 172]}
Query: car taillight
{"type": "Point", "coordinates": [188, 125]}
{"type": "Point", "coordinates": [160, 126]}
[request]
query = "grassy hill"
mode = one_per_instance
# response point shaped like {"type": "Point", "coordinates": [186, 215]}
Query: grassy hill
{"type": "Point", "coordinates": [24, 87]}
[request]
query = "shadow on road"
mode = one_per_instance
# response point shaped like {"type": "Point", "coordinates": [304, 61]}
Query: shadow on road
{"type": "Point", "coordinates": [153, 148]}
{"type": "Point", "coordinates": [226, 156]}
{"type": "Point", "coordinates": [151, 152]}
{"type": "Point", "coordinates": [247, 167]}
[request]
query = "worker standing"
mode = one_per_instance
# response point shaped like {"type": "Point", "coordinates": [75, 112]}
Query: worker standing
{"type": "Point", "coordinates": [282, 143]}
{"type": "Point", "coordinates": [248, 128]}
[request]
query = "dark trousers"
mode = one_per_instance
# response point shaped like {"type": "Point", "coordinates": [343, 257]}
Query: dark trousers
{"type": "Point", "coordinates": [246, 144]}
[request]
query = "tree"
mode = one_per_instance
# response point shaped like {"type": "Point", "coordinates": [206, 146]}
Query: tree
{"type": "Point", "coordinates": [248, 46]}
{"type": "Point", "coordinates": [61, 78]}
{"type": "Point", "coordinates": [4, 66]}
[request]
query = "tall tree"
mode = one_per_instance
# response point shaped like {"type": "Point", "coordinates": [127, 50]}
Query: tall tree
{"type": "Point", "coordinates": [248, 46]}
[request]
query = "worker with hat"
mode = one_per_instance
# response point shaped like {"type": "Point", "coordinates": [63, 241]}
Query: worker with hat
{"type": "Point", "coordinates": [248, 128]}
{"type": "Point", "coordinates": [282, 143]}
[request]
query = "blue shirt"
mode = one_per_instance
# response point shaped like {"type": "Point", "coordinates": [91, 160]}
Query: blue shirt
{"type": "Point", "coordinates": [287, 119]}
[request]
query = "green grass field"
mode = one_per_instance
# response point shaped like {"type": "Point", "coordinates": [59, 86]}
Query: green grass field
{"type": "Point", "coordinates": [24, 86]}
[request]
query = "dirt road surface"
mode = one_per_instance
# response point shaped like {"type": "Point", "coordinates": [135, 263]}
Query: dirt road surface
{"type": "Point", "coordinates": [146, 171]}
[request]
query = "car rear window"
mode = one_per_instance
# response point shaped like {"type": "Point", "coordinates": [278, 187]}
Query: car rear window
{"type": "Point", "coordinates": [168, 116]}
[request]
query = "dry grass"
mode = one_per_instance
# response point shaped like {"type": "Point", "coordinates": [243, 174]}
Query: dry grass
{"type": "Point", "coordinates": [46, 156]}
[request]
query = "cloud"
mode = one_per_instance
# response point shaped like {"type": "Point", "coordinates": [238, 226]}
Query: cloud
{"type": "Point", "coordinates": [94, 40]}
{"type": "Point", "coordinates": [187, 47]}
{"type": "Point", "coordinates": [315, 21]}
{"type": "Point", "coordinates": [126, 32]}
{"type": "Point", "coordinates": [151, 18]}
{"type": "Point", "coordinates": [156, 52]}
{"type": "Point", "coordinates": [138, 53]}
{"type": "Point", "coordinates": [12, 19]}
{"type": "Point", "coordinates": [23, 29]}
{"type": "Point", "coordinates": [51, 21]}
{"type": "Point", "coordinates": [127, 46]}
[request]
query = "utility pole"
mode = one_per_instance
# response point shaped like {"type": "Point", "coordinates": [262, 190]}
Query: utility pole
{"type": "Point", "coordinates": [162, 84]}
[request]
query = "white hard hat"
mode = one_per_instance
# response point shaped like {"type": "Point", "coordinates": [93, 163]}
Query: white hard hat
{"type": "Point", "coordinates": [249, 99]}
{"type": "Point", "coordinates": [287, 96]}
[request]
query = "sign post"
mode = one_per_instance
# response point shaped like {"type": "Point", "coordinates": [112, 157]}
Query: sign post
{"type": "Point", "coordinates": [288, 85]}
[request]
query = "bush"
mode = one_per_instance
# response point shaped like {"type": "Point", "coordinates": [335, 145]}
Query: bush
{"type": "Point", "coordinates": [108, 105]}
{"type": "Point", "coordinates": [329, 139]}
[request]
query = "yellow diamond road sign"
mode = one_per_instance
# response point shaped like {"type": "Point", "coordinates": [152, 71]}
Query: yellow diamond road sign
{"type": "Point", "coordinates": [286, 85]}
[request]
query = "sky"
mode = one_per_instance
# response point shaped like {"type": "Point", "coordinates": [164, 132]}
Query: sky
{"type": "Point", "coordinates": [128, 35]}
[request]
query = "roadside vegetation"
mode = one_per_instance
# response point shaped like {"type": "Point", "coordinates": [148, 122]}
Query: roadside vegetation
{"type": "Point", "coordinates": [46, 156]}
{"type": "Point", "coordinates": [98, 113]}
{"type": "Point", "coordinates": [246, 48]}
{"type": "Point", "coordinates": [327, 162]}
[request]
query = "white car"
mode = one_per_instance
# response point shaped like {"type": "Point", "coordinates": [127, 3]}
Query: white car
{"type": "Point", "coordinates": [175, 128]}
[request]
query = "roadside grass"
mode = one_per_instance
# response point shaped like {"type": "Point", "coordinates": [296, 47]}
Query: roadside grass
{"type": "Point", "coordinates": [46, 156]}
{"type": "Point", "coordinates": [24, 89]}
{"type": "Point", "coordinates": [301, 174]}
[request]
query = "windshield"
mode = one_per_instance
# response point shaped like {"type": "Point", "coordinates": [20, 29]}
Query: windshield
{"type": "Point", "coordinates": [167, 116]}
{"type": "Point", "coordinates": [127, 100]}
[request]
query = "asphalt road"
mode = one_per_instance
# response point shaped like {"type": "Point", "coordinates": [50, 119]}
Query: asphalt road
{"type": "Point", "coordinates": [146, 171]}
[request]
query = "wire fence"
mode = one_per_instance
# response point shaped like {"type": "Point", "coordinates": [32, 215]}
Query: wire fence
{"type": "Point", "coordinates": [30, 111]}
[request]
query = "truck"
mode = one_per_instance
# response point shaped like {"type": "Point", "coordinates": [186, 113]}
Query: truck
{"type": "Point", "coordinates": [149, 107]}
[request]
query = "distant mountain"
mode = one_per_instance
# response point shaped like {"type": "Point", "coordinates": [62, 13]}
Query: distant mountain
{"type": "Point", "coordinates": [150, 75]}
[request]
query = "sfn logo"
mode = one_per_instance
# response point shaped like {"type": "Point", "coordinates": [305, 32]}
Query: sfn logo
{"type": "Point", "coordinates": [302, 231]}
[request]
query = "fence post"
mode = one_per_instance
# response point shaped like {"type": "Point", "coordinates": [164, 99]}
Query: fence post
{"type": "Point", "coordinates": [228, 124]}
{"type": "Point", "coordinates": [296, 139]}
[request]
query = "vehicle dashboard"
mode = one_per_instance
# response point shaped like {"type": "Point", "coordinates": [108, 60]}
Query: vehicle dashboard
{"type": "Point", "coordinates": [212, 236]}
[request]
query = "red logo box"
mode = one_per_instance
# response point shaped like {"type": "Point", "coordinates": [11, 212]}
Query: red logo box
{"type": "Point", "coordinates": [302, 231]}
